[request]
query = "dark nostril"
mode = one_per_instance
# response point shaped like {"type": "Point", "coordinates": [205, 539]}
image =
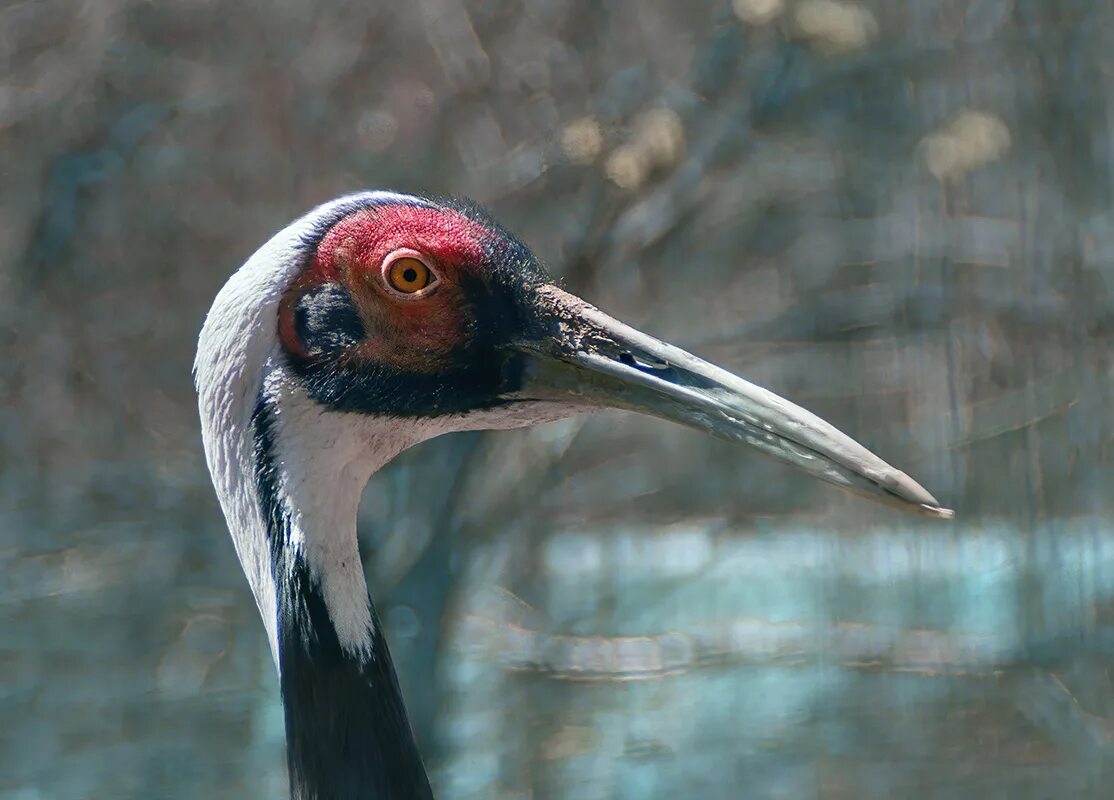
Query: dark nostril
{"type": "Point", "coordinates": [628, 359]}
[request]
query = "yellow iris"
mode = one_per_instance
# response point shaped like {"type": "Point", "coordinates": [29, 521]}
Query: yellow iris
{"type": "Point", "coordinates": [409, 275]}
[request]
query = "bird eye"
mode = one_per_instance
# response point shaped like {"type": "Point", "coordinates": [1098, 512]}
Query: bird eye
{"type": "Point", "coordinates": [408, 275]}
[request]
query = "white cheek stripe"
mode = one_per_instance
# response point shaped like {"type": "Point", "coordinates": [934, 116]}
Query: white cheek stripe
{"type": "Point", "coordinates": [323, 461]}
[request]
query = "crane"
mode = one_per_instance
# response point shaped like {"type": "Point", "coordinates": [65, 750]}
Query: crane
{"type": "Point", "coordinates": [380, 320]}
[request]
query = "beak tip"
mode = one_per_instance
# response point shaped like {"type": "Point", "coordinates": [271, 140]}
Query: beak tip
{"type": "Point", "coordinates": [916, 495]}
{"type": "Point", "coordinates": [937, 512]}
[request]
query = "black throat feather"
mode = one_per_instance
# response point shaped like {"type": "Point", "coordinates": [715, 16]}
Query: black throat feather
{"type": "Point", "coordinates": [347, 732]}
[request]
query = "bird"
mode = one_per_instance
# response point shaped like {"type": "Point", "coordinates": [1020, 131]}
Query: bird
{"type": "Point", "coordinates": [380, 320]}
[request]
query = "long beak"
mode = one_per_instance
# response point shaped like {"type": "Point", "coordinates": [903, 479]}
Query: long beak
{"type": "Point", "coordinates": [591, 359]}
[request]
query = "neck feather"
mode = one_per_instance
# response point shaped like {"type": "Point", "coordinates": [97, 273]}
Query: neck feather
{"type": "Point", "coordinates": [347, 731]}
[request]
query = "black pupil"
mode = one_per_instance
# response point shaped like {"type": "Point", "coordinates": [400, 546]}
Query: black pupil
{"type": "Point", "coordinates": [410, 275]}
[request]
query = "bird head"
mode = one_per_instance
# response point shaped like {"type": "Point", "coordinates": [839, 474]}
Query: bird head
{"type": "Point", "coordinates": [408, 308]}
{"type": "Point", "coordinates": [416, 310]}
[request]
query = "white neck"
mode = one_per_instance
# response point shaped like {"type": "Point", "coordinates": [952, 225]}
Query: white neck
{"type": "Point", "coordinates": [322, 461]}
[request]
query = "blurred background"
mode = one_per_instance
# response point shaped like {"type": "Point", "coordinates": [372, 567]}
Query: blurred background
{"type": "Point", "coordinates": [896, 214]}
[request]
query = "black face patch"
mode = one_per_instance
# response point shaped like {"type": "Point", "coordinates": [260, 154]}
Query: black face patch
{"type": "Point", "coordinates": [499, 308]}
{"type": "Point", "coordinates": [475, 376]}
{"type": "Point", "coordinates": [347, 733]}
{"type": "Point", "coordinates": [327, 322]}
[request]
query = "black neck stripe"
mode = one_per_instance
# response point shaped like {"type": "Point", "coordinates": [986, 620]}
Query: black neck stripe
{"type": "Point", "coordinates": [347, 733]}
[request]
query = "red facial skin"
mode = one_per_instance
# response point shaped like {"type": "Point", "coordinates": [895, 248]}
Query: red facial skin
{"type": "Point", "coordinates": [416, 333]}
